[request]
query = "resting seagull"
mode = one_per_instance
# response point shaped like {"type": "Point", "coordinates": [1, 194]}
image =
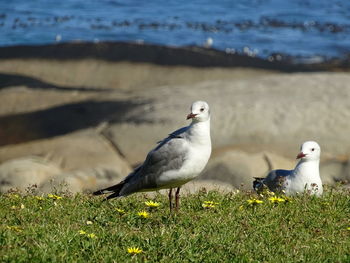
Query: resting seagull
{"type": "Point", "coordinates": [304, 177]}
{"type": "Point", "coordinates": [176, 160]}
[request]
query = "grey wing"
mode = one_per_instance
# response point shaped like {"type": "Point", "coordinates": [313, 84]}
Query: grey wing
{"type": "Point", "coordinates": [170, 154]}
{"type": "Point", "coordinates": [178, 134]}
{"type": "Point", "coordinates": [275, 179]}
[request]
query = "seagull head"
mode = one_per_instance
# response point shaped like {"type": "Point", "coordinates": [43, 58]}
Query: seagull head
{"type": "Point", "coordinates": [309, 151]}
{"type": "Point", "coordinates": [199, 111]}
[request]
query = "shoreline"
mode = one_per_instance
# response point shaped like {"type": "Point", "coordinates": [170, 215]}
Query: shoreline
{"type": "Point", "coordinates": [191, 56]}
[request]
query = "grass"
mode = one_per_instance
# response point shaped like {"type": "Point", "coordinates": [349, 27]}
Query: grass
{"type": "Point", "coordinates": [81, 228]}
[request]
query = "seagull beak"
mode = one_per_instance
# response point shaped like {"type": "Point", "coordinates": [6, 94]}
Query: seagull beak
{"type": "Point", "coordinates": [301, 155]}
{"type": "Point", "coordinates": [191, 116]}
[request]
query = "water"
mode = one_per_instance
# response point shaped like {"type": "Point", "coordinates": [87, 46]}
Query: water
{"type": "Point", "coordinates": [306, 28]}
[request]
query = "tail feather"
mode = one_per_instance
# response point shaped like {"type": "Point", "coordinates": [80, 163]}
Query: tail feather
{"type": "Point", "coordinates": [114, 189]}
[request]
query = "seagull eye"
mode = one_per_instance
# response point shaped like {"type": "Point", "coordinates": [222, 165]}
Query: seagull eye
{"type": "Point", "coordinates": [312, 149]}
{"type": "Point", "coordinates": [202, 109]}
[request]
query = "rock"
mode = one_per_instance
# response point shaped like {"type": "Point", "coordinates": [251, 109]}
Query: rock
{"type": "Point", "coordinates": [206, 185]}
{"type": "Point", "coordinates": [86, 159]}
{"type": "Point", "coordinates": [24, 172]}
{"type": "Point", "coordinates": [346, 172]}
{"type": "Point", "coordinates": [332, 171]}
{"type": "Point", "coordinates": [76, 151]}
{"type": "Point", "coordinates": [238, 168]}
{"type": "Point", "coordinates": [274, 112]}
{"type": "Point", "coordinates": [255, 109]}
{"type": "Point", "coordinates": [82, 180]}
{"type": "Point", "coordinates": [50, 108]}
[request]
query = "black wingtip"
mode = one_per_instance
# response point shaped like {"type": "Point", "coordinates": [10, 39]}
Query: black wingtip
{"type": "Point", "coordinates": [113, 190]}
{"type": "Point", "coordinates": [258, 184]}
{"type": "Point", "coordinates": [99, 192]}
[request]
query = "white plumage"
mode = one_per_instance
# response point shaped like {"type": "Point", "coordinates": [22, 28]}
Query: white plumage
{"type": "Point", "coordinates": [304, 177]}
{"type": "Point", "coordinates": [176, 160]}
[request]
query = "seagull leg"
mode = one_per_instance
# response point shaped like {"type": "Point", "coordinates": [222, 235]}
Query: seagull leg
{"type": "Point", "coordinates": [170, 199]}
{"type": "Point", "coordinates": [177, 198]}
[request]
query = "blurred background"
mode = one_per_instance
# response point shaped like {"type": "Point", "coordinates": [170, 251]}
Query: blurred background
{"type": "Point", "coordinates": [87, 88]}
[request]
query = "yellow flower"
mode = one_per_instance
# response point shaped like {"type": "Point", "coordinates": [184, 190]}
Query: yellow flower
{"type": "Point", "coordinates": [22, 206]}
{"type": "Point", "coordinates": [15, 228]}
{"type": "Point", "coordinates": [143, 214]}
{"type": "Point", "coordinates": [134, 250]}
{"type": "Point", "coordinates": [208, 205]}
{"type": "Point", "coordinates": [120, 211]}
{"type": "Point", "coordinates": [152, 204]}
{"type": "Point", "coordinates": [241, 208]}
{"type": "Point", "coordinates": [276, 200]}
{"type": "Point", "coordinates": [40, 198]}
{"type": "Point", "coordinates": [348, 228]}
{"type": "Point", "coordinates": [254, 201]}
{"type": "Point", "coordinates": [13, 207]}
{"type": "Point", "coordinates": [13, 195]}
{"type": "Point", "coordinates": [92, 235]}
{"type": "Point", "coordinates": [89, 222]}
{"type": "Point", "coordinates": [55, 197]}
{"type": "Point", "coordinates": [82, 232]}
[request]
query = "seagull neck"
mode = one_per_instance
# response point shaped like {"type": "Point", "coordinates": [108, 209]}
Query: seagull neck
{"type": "Point", "coordinates": [305, 168]}
{"type": "Point", "coordinates": [199, 131]}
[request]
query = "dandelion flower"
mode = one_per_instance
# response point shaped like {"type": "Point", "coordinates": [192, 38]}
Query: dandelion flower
{"type": "Point", "coordinates": [55, 197]}
{"type": "Point", "coordinates": [92, 235]}
{"type": "Point", "coordinates": [89, 222]}
{"type": "Point", "coordinates": [134, 250]}
{"type": "Point", "coordinates": [82, 232]}
{"type": "Point", "coordinates": [254, 201]}
{"type": "Point", "coordinates": [40, 198]}
{"type": "Point", "coordinates": [152, 204]}
{"type": "Point", "coordinates": [120, 211]}
{"type": "Point", "coordinates": [276, 200]}
{"type": "Point", "coordinates": [143, 214]}
{"type": "Point", "coordinates": [348, 228]}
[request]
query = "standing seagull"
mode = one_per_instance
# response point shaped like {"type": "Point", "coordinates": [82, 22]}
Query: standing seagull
{"type": "Point", "coordinates": [177, 159]}
{"type": "Point", "coordinates": [305, 176]}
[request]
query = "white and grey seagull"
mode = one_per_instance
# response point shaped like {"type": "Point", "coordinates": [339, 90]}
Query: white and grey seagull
{"type": "Point", "coordinates": [304, 177]}
{"type": "Point", "coordinates": [176, 160]}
